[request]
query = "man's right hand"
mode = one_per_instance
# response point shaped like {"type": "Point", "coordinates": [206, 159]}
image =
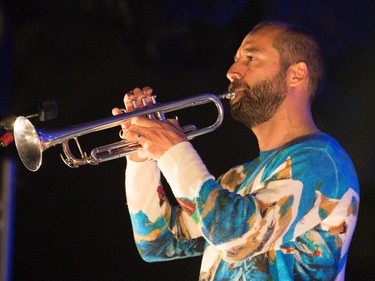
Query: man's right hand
{"type": "Point", "coordinates": [136, 95]}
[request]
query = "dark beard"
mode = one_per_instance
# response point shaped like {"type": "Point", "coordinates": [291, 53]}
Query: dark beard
{"type": "Point", "coordinates": [259, 102]}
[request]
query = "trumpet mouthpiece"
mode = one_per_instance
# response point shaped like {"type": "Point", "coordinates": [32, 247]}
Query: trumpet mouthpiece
{"type": "Point", "coordinates": [227, 95]}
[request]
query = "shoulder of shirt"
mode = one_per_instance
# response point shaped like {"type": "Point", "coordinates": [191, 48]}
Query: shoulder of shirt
{"type": "Point", "coordinates": [320, 141]}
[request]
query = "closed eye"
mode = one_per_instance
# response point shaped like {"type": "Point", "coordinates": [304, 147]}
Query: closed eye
{"type": "Point", "coordinates": [249, 58]}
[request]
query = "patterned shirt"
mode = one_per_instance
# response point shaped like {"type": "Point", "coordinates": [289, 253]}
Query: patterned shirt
{"type": "Point", "coordinates": [287, 215]}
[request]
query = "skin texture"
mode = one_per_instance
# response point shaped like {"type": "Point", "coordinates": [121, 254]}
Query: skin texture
{"type": "Point", "coordinates": [256, 61]}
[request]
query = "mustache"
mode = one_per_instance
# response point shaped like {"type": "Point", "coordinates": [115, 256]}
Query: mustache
{"type": "Point", "coordinates": [235, 85]}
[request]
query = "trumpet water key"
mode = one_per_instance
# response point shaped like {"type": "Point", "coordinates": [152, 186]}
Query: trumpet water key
{"type": "Point", "coordinates": [31, 143]}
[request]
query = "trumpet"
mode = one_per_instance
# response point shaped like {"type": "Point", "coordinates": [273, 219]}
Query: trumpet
{"type": "Point", "coordinates": [31, 143]}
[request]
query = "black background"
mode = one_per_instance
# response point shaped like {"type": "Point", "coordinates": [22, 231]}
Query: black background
{"type": "Point", "coordinates": [73, 224]}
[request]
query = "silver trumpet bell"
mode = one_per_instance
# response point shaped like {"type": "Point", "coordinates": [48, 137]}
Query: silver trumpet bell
{"type": "Point", "coordinates": [31, 143]}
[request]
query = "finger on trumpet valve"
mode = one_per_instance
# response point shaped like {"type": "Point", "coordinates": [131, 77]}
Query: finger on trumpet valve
{"type": "Point", "coordinates": [134, 103]}
{"type": "Point", "coordinates": [144, 101]}
{"type": "Point", "coordinates": [155, 115]}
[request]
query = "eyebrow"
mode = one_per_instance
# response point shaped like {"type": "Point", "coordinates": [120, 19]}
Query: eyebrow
{"type": "Point", "coordinates": [250, 50]}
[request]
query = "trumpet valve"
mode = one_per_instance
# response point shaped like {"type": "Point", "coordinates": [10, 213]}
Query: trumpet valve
{"type": "Point", "coordinates": [134, 103]}
{"type": "Point", "coordinates": [158, 114]}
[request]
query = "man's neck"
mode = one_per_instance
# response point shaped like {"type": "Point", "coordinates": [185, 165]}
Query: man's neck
{"type": "Point", "coordinates": [280, 131]}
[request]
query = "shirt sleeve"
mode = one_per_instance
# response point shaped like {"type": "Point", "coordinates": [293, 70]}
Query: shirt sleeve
{"type": "Point", "coordinates": [142, 180]}
{"type": "Point", "coordinates": [161, 231]}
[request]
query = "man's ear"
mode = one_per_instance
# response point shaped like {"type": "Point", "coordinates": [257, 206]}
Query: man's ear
{"type": "Point", "coordinates": [297, 73]}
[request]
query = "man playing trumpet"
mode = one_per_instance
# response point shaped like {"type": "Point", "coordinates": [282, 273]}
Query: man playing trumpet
{"type": "Point", "coordinates": [289, 214]}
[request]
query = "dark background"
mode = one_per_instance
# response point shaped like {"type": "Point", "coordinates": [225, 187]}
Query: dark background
{"type": "Point", "coordinates": [73, 224]}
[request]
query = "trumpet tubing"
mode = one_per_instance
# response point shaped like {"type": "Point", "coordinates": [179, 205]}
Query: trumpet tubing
{"type": "Point", "coordinates": [31, 143]}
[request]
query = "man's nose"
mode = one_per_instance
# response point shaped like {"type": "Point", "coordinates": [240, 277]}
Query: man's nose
{"type": "Point", "coordinates": [234, 73]}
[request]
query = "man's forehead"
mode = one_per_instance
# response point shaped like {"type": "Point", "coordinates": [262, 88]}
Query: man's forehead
{"type": "Point", "coordinates": [268, 32]}
{"type": "Point", "coordinates": [261, 37]}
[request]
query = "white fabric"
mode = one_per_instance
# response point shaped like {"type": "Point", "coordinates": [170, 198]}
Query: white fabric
{"type": "Point", "coordinates": [184, 170]}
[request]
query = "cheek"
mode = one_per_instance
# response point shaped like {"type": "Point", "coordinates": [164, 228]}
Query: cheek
{"type": "Point", "coordinates": [254, 76]}
{"type": "Point", "coordinates": [265, 72]}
